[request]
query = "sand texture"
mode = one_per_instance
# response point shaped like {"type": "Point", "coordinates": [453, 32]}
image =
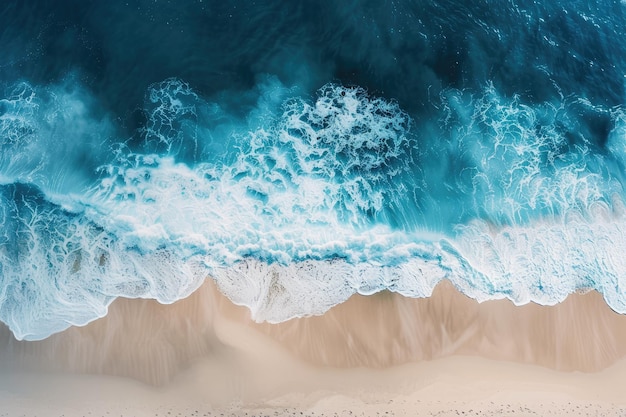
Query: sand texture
{"type": "Point", "coordinates": [376, 355]}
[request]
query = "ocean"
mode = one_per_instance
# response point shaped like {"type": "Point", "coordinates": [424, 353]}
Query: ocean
{"type": "Point", "coordinates": [300, 152]}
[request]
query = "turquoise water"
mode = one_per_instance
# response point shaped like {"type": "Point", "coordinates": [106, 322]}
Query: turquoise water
{"type": "Point", "coordinates": [300, 152]}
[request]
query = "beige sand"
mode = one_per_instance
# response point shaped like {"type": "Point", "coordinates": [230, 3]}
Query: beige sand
{"type": "Point", "coordinates": [457, 385]}
{"type": "Point", "coordinates": [379, 354]}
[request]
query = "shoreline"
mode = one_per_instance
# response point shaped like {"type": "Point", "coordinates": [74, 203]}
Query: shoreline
{"type": "Point", "coordinates": [151, 342]}
{"type": "Point", "coordinates": [376, 354]}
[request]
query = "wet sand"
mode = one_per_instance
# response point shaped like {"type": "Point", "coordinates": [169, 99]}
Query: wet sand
{"type": "Point", "coordinates": [369, 356]}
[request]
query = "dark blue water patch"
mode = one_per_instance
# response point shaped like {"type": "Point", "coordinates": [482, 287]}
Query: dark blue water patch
{"type": "Point", "coordinates": [406, 50]}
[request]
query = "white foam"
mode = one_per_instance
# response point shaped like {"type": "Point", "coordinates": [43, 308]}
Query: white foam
{"type": "Point", "coordinates": [286, 222]}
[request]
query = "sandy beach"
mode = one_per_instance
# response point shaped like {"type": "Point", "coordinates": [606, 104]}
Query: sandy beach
{"type": "Point", "coordinates": [446, 387]}
{"type": "Point", "coordinates": [377, 355]}
{"type": "Point", "coordinates": [220, 208]}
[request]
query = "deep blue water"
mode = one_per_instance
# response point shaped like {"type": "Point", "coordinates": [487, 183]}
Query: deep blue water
{"type": "Point", "coordinates": [301, 151]}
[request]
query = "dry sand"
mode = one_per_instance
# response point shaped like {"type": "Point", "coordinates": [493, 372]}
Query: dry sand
{"type": "Point", "coordinates": [377, 355]}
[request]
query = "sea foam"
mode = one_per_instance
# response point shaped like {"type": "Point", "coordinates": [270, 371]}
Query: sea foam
{"type": "Point", "coordinates": [304, 202]}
